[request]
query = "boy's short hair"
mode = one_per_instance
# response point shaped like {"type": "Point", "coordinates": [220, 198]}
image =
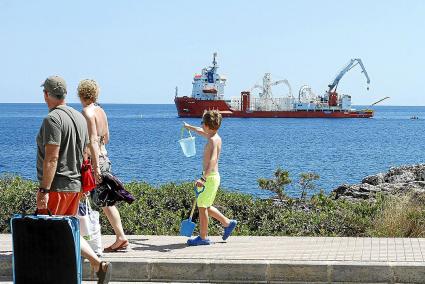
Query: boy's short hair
{"type": "Point", "coordinates": [212, 119]}
{"type": "Point", "coordinates": [88, 90]}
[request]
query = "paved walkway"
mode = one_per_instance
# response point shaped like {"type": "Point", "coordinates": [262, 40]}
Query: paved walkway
{"type": "Point", "coordinates": [261, 259]}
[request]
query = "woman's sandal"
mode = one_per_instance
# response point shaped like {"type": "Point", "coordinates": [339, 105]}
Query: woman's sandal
{"type": "Point", "coordinates": [122, 246]}
{"type": "Point", "coordinates": [104, 273]}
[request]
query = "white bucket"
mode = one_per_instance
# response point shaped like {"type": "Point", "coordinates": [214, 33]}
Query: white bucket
{"type": "Point", "coordinates": [188, 145]}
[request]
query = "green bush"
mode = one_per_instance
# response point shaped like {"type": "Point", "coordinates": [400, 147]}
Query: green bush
{"type": "Point", "coordinates": [16, 195]}
{"type": "Point", "coordinates": [160, 210]}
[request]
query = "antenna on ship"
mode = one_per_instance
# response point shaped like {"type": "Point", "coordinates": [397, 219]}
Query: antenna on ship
{"type": "Point", "coordinates": [214, 61]}
{"type": "Point", "coordinates": [177, 92]}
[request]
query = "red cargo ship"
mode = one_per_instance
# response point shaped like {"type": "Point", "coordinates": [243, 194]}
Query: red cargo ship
{"type": "Point", "coordinates": [208, 94]}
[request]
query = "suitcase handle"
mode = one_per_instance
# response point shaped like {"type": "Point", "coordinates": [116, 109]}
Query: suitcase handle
{"type": "Point", "coordinates": [48, 211]}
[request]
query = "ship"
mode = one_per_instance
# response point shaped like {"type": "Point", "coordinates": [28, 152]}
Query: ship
{"type": "Point", "coordinates": [208, 94]}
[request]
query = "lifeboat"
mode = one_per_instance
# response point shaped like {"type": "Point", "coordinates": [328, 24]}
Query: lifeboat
{"type": "Point", "coordinates": [209, 90]}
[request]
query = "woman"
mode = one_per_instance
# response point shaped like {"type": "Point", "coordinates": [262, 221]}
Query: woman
{"type": "Point", "coordinates": [97, 122]}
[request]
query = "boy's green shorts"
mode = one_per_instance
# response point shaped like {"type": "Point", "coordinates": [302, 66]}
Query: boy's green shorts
{"type": "Point", "coordinates": [206, 198]}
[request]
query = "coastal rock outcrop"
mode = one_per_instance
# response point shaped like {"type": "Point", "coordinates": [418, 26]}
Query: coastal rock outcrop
{"type": "Point", "coordinates": [397, 181]}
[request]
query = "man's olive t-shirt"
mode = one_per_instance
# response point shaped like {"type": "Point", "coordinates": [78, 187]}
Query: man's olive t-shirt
{"type": "Point", "coordinates": [58, 129]}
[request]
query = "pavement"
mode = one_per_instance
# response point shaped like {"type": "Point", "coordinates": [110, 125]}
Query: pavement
{"type": "Point", "coordinates": [258, 260]}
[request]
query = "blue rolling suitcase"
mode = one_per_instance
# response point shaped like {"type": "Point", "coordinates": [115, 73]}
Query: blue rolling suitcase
{"type": "Point", "coordinates": [46, 249]}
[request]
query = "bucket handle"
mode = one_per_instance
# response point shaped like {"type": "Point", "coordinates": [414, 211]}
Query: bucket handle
{"type": "Point", "coordinates": [182, 132]}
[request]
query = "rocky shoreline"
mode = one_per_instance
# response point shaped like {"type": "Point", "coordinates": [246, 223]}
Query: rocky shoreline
{"type": "Point", "coordinates": [398, 181]}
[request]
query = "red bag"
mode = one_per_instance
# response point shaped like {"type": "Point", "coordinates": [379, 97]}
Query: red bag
{"type": "Point", "coordinates": [88, 182]}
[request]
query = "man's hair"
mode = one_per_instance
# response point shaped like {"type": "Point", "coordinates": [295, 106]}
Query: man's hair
{"type": "Point", "coordinates": [88, 90]}
{"type": "Point", "coordinates": [212, 119]}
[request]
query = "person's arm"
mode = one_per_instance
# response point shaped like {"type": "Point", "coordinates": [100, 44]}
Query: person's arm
{"type": "Point", "coordinates": [93, 144]}
{"type": "Point", "coordinates": [50, 163]}
{"type": "Point", "coordinates": [198, 130]}
{"type": "Point", "coordinates": [106, 139]}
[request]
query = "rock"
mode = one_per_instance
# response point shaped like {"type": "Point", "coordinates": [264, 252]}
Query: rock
{"type": "Point", "coordinates": [375, 179]}
{"type": "Point", "coordinates": [398, 181]}
{"type": "Point", "coordinates": [405, 173]}
{"type": "Point", "coordinates": [401, 177]}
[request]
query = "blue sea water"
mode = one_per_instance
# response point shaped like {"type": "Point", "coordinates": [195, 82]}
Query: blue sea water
{"type": "Point", "coordinates": [144, 145]}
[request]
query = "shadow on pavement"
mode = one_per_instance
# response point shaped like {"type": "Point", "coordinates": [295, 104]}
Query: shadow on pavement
{"type": "Point", "coordinates": [162, 248]}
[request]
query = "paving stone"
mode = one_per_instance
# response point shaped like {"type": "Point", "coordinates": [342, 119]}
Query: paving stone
{"type": "Point", "coordinates": [259, 259]}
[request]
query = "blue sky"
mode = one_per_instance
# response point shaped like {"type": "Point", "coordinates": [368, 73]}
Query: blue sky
{"type": "Point", "coordinates": [139, 51]}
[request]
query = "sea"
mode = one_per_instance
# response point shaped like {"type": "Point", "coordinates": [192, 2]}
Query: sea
{"type": "Point", "coordinates": [144, 145]}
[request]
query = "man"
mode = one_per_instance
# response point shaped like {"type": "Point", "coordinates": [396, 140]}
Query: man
{"type": "Point", "coordinates": [61, 142]}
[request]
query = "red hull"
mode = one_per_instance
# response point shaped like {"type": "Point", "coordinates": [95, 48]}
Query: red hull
{"type": "Point", "coordinates": [190, 107]}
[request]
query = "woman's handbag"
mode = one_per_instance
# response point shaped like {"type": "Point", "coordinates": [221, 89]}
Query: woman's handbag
{"type": "Point", "coordinates": [90, 226]}
{"type": "Point", "coordinates": [88, 182]}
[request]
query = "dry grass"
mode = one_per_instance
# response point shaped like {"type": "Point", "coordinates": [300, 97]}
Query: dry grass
{"type": "Point", "coordinates": [400, 217]}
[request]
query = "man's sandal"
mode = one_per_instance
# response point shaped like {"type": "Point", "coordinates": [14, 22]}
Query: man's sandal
{"type": "Point", "coordinates": [104, 273]}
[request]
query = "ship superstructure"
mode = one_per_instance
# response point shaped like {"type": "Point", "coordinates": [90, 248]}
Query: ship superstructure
{"type": "Point", "coordinates": [209, 85]}
{"type": "Point", "coordinates": [208, 93]}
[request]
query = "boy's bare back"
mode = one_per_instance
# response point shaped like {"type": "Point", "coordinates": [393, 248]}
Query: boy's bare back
{"type": "Point", "coordinates": [212, 153]}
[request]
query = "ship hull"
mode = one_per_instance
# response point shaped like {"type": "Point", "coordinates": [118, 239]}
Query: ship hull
{"type": "Point", "coordinates": [190, 107]}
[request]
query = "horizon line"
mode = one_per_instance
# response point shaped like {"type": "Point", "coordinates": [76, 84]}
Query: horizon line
{"type": "Point", "coordinates": [127, 103]}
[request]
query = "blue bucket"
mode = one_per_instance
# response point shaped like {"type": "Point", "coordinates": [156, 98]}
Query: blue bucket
{"type": "Point", "coordinates": [188, 144]}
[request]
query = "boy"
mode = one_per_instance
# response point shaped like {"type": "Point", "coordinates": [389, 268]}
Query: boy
{"type": "Point", "coordinates": [211, 121]}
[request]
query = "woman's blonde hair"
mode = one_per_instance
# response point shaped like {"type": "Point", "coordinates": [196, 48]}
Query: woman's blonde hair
{"type": "Point", "coordinates": [88, 90]}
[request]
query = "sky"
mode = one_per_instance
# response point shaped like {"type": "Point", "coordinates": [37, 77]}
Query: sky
{"type": "Point", "coordinates": [139, 51]}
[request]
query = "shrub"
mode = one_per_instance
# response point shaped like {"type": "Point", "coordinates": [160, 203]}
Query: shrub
{"type": "Point", "coordinates": [16, 195]}
{"type": "Point", "coordinates": [160, 210]}
{"type": "Point", "coordinates": [307, 183]}
{"type": "Point", "coordinates": [277, 184]}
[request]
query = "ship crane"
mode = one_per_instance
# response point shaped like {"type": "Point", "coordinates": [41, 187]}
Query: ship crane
{"type": "Point", "coordinates": [266, 95]}
{"type": "Point", "coordinates": [256, 87]}
{"type": "Point", "coordinates": [286, 82]}
{"type": "Point", "coordinates": [353, 63]}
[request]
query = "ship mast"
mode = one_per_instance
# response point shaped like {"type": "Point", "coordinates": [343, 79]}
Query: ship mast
{"type": "Point", "coordinates": [214, 62]}
{"type": "Point", "coordinates": [267, 92]}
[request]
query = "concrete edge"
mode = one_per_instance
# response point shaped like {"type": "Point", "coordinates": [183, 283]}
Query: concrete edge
{"type": "Point", "coordinates": [236, 271]}
{"type": "Point", "coordinates": [249, 271]}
